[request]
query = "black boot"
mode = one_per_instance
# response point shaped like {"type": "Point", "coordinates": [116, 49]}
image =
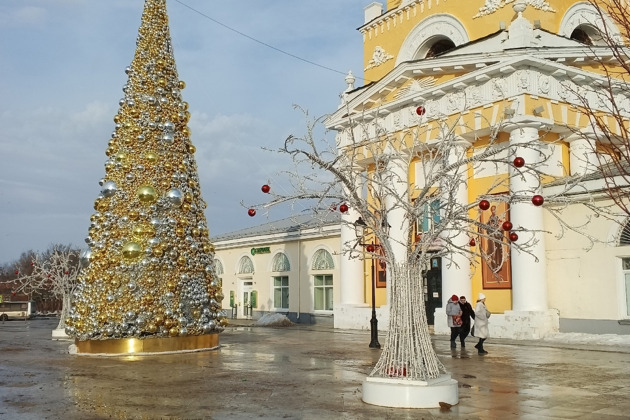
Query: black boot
{"type": "Point", "coordinates": [480, 346]}
{"type": "Point", "coordinates": [453, 345]}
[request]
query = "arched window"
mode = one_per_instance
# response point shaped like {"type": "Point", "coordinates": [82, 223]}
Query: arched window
{"type": "Point", "coordinates": [219, 267]}
{"type": "Point", "coordinates": [583, 23]}
{"type": "Point", "coordinates": [245, 265]}
{"type": "Point", "coordinates": [322, 260]}
{"type": "Point", "coordinates": [624, 237]}
{"type": "Point", "coordinates": [440, 46]}
{"type": "Point", "coordinates": [280, 262]}
{"type": "Point", "coordinates": [427, 39]}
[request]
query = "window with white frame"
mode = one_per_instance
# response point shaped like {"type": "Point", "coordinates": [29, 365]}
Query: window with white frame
{"type": "Point", "coordinates": [281, 292]}
{"type": "Point", "coordinates": [280, 263]}
{"type": "Point", "coordinates": [219, 270]}
{"type": "Point", "coordinates": [323, 283]}
{"type": "Point", "coordinates": [429, 217]}
{"type": "Point", "coordinates": [323, 292]}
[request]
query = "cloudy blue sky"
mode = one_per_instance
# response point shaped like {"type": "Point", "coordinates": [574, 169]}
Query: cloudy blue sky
{"type": "Point", "coordinates": [62, 65]}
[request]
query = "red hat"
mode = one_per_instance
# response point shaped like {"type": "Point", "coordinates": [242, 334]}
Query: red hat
{"type": "Point", "coordinates": [454, 298]}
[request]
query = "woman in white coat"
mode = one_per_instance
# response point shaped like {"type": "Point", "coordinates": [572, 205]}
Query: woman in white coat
{"type": "Point", "coordinates": [481, 323]}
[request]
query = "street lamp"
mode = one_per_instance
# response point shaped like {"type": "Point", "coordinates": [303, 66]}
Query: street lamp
{"type": "Point", "coordinates": [360, 226]}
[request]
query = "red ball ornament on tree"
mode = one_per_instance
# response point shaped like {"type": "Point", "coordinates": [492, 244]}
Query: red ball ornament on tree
{"type": "Point", "coordinates": [265, 188]}
{"type": "Point", "coordinates": [251, 212]}
{"type": "Point", "coordinates": [538, 200]}
{"type": "Point", "coordinates": [507, 225]}
{"type": "Point", "coordinates": [343, 208]}
{"type": "Point", "coordinates": [370, 248]}
{"type": "Point", "coordinates": [484, 204]}
{"type": "Point", "coordinates": [472, 242]}
{"type": "Point", "coordinates": [17, 272]}
{"type": "Point", "coordinates": [513, 236]}
{"type": "Point", "coordinates": [519, 162]}
{"type": "Point", "coordinates": [421, 110]}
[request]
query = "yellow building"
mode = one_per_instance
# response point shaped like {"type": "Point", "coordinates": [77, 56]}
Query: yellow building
{"type": "Point", "coordinates": [511, 72]}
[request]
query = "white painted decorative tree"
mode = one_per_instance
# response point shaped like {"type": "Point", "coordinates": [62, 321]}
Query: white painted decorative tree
{"type": "Point", "coordinates": [55, 272]}
{"type": "Point", "coordinates": [369, 176]}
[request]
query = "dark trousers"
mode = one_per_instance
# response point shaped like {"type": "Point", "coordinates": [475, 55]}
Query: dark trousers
{"type": "Point", "coordinates": [463, 333]}
{"type": "Point", "coordinates": [455, 331]}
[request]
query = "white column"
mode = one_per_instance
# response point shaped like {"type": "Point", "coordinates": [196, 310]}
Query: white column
{"type": "Point", "coordinates": [351, 270]}
{"type": "Point", "coordinates": [529, 273]}
{"type": "Point", "coordinates": [398, 173]}
{"type": "Point", "coordinates": [456, 267]}
{"type": "Point", "coordinates": [583, 159]}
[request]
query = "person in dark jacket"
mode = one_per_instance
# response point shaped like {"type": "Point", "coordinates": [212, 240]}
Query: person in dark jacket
{"type": "Point", "coordinates": [467, 313]}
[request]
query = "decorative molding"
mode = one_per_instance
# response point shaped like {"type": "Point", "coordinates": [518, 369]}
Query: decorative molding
{"type": "Point", "coordinates": [378, 57]}
{"type": "Point", "coordinates": [418, 84]}
{"type": "Point", "coordinates": [491, 6]}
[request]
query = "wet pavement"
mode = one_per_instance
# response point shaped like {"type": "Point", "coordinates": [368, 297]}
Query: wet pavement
{"type": "Point", "coordinates": [299, 373]}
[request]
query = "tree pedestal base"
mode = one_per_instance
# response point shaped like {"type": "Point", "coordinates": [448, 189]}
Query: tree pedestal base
{"type": "Point", "coordinates": [135, 346]}
{"type": "Point", "coordinates": [403, 393]}
{"type": "Point", "coordinates": [60, 334]}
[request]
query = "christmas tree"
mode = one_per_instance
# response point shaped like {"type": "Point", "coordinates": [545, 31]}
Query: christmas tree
{"type": "Point", "coordinates": [149, 271]}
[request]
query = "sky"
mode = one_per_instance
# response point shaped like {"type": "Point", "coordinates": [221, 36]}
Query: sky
{"type": "Point", "coordinates": [62, 68]}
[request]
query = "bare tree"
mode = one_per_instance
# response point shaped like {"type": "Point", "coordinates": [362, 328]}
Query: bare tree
{"type": "Point", "coordinates": [606, 101]}
{"type": "Point", "coordinates": [368, 173]}
{"type": "Point", "coordinates": [53, 272]}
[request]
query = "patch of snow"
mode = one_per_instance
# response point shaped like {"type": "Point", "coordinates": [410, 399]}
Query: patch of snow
{"type": "Point", "coordinates": [273, 320]}
{"type": "Point", "coordinates": [593, 339]}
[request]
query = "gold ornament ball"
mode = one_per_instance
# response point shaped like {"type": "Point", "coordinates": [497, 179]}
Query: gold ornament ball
{"type": "Point", "coordinates": [147, 194]}
{"type": "Point", "coordinates": [151, 157]}
{"type": "Point", "coordinates": [168, 323]}
{"type": "Point", "coordinates": [131, 250]}
{"type": "Point", "coordinates": [181, 84]}
{"type": "Point", "coordinates": [158, 320]}
{"type": "Point", "coordinates": [173, 332]}
{"type": "Point", "coordinates": [152, 328]}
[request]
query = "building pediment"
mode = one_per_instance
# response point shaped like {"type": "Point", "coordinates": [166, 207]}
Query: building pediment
{"type": "Point", "coordinates": [448, 85]}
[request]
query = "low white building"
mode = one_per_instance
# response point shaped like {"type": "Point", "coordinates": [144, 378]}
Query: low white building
{"type": "Point", "coordinates": [291, 266]}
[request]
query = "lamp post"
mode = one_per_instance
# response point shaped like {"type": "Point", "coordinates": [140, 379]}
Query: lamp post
{"type": "Point", "coordinates": [360, 227]}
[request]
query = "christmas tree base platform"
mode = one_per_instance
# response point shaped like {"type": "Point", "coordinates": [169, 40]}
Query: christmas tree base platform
{"type": "Point", "coordinates": [135, 346]}
{"type": "Point", "coordinates": [405, 393]}
{"type": "Point", "coordinates": [60, 334]}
